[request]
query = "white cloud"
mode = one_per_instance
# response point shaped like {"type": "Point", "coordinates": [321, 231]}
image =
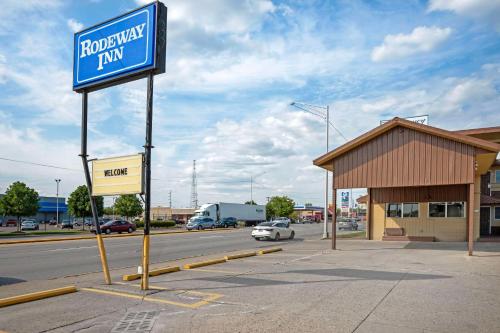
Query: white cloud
{"type": "Point", "coordinates": [420, 40]}
{"type": "Point", "coordinates": [13, 9]}
{"type": "Point", "coordinates": [74, 25]}
{"type": "Point", "coordinates": [484, 10]}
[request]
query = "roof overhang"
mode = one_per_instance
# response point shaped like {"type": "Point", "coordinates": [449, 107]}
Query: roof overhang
{"type": "Point", "coordinates": [486, 133]}
{"type": "Point", "coordinates": [486, 147]}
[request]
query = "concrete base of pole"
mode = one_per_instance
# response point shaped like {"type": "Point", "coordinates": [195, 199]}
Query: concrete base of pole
{"type": "Point", "coordinates": [325, 236]}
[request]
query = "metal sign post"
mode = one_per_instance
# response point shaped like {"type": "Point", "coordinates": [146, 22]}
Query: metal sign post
{"type": "Point", "coordinates": [125, 48]}
{"type": "Point", "coordinates": [100, 243]}
{"type": "Point", "coordinates": [147, 204]}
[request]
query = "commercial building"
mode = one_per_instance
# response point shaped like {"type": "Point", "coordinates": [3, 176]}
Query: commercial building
{"type": "Point", "coordinates": [167, 213]}
{"type": "Point", "coordinates": [423, 182]}
{"type": "Point", "coordinates": [311, 212]}
{"type": "Point", "coordinates": [47, 209]}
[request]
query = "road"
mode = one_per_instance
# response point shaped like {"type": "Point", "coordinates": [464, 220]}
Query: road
{"type": "Point", "coordinates": [52, 260]}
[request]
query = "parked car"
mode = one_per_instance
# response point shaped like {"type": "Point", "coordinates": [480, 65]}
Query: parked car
{"type": "Point", "coordinates": [53, 222]}
{"type": "Point", "coordinates": [285, 220]}
{"type": "Point", "coordinates": [118, 226]}
{"type": "Point", "coordinates": [200, 223]}
{"type": "Point", "coordinates": [348, 224]}
{"type": "Point", "coordinates": [273, 230]}
{"type": "Point", "coordinates": [29, 225]}
{"type": "Point", "coordinates": [66, 224]}
{"type": "Point", "coordinates": [227, 222]}
{"type": "Point", "coordinates": [10, 223]}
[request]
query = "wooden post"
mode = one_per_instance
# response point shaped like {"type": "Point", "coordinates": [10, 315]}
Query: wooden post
{"type": "Point", "coordinates": [470, 218]}
{"type": "Point", "coordinates": [334, 214]}
{"type": "Point", "coordinates": [369, 215]}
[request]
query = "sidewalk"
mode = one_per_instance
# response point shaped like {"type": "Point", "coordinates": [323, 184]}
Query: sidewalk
{"type": "Point", "coordinates": [365, 286]}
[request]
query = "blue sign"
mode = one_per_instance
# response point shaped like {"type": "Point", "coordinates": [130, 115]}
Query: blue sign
{"type": "Point", "coordinates": [121, 47]}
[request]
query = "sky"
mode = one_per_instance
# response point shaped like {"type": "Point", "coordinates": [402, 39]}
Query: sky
{"type": "Point", "coordinates": [233, 69]}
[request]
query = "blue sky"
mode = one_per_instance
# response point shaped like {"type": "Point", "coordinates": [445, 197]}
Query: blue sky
{"type": "Point", "coordinates": [233, 68]}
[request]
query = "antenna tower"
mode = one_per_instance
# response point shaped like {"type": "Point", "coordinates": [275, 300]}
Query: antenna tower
{"type": "Point", "coordinates": [194, 192]}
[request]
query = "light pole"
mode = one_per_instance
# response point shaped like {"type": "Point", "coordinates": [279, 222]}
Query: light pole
{"type": "Point", "coordinates": [57, 201]}
{"type": "Point", "coordinates": [324, 114]}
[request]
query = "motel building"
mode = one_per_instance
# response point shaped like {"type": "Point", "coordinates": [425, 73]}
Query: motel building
{"type": "Point", "coordinates": [424, 183]}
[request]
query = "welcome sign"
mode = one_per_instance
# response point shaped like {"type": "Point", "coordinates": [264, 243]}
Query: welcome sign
{"type": "Point", "coordinates": [121, 49]}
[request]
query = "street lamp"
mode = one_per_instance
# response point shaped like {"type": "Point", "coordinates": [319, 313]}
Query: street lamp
{"type": "Point", "coordinates": [57, 201]}
{"type": "Point", "coordinates": [324, 113]}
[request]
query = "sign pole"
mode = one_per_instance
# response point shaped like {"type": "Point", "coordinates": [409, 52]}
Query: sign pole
{"type": "Point", "coordinates": [147, 205]}
{"type": "Point", "coordinates": [100, 243]}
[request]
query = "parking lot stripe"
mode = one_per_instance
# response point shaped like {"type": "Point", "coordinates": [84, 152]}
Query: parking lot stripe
{"type": "Point", "coordinates": [213, 271]}
{"type": "Point", "coordinates": [210, 297]}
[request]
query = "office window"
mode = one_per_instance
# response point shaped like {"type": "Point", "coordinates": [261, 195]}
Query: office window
{"type": "Point", "coordinates": [497, 213]}
{"type": "Point", "coordinates": [410, 209]}
{"type": "Point", "coordinates": [497, 176]}
{"type": "Point", "coordinates": [455, 209]}
{"type": "Point", "coordinates": [437, 209]}
{"type": "Point", "coordinates": [393, 210]}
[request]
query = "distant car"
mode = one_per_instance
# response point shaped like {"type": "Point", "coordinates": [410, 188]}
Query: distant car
{"type": "Point", "coordinates": [10, 223]}
{"type": "Point", "coordinates": [200, 223]}
{"type": "Point", "coordinates": [228, 222]}
{"type": "Point", "coordinates": [53, 222]}
{"type": "Point", "coordinates": [29, 225]}
{"type": "Point", "coordinates": [348, 224]}
{"type": "Point", "coordinates": [285, 220]}
{"type": "Point", "coordinates": [66, 224]}
{"type": "Point", "coordinates": [118, 226]}
{"type": "Point", "coordinates": [273, 230]}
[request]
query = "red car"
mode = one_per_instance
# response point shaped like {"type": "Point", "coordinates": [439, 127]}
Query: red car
{"type": "Point", "coordinates": [118, 226]}
{"type": "Point", "coordinates": [10, 223]}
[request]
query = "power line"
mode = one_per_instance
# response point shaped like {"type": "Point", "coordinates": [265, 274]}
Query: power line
{"type": "Point", "coordinates": [38, 164]}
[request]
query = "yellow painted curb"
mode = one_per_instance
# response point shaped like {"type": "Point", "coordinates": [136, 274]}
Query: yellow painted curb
{"type": "Point", "coordinates": [204, 263]}
{"type": "Point", "coordinates": [131, 277]}
{"type": "Point", "coordinates": [160, 271]}
{"type": "Point", "coordinates": [36, 296]}
{"type": "Point", "coordinates": [241, 255]}
{"type": "Point", "coordinates": [276, 249]}
{"type": "Point", "coordinates": [155, 272]}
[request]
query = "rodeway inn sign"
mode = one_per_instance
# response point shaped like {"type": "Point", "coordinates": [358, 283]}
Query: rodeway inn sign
{"type": "Point", "coordinates": [126, 46]}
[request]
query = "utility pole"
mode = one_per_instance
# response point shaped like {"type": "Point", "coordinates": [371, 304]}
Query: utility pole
{"type": "Point", "coordinates": [57, 203]}
{"type": "Point", "coordinates": [194, 191]}
{"type": "Point", "coordinates": [325, 115]}
{"type": "Point", "coordinates": [251, 189]}
{"type": "Point", "coordinates": [170, 198]}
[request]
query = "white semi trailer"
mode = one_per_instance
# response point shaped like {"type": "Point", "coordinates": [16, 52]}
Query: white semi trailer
{"type": "Point", "coordinates": [251, 214]}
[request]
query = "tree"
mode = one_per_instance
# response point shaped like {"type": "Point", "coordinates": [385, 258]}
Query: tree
{"type": "Point", "coordinates": [19, 200]}
{"type": "Point", "coordinates": [108, 210]}
{"type": "Point", "coordinates": [279, 206]}
{"type": "Point", "coordinates": [79, 203]}
{"type": "Point", "coordinates": [128, 205]}
{"type": "Point", "coordinates": [250, 202]}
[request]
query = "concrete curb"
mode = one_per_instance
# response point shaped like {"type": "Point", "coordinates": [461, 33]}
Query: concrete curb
{"type": "Point", "coordinates": [204, 263]}
{"type": "Point", "coordinates": [44, 240]}
{"type": "Point", "coordinates": [154, 272]}
{"type": "Point", "coordinates": [240, 255]}
{"type": "Point", "coordinates": [36, 296]}
{"type": "Point", "coordinates": [276, 249]}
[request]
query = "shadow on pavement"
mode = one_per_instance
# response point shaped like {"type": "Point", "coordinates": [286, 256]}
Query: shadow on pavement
{"type": "Point", "coordinates": [368, 274]}
{"type": "Point", "coordinates": [5, 281]}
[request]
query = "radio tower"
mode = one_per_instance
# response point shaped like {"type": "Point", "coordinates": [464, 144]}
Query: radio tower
{"type": "Point", "coordinates": [194, 192]}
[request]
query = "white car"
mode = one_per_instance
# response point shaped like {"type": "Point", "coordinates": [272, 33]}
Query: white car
{"type": "Point", "coordinates": [29, 225]}
{"type": "Point", "coordinates": [273, 230]}
{"type": "Point", "coordinates": [285, 220]}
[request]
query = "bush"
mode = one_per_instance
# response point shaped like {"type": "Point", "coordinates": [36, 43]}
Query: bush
{"type": "Point", "coordinates": [156, 224]}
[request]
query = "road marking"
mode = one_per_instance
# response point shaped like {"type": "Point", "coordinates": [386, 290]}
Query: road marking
{"type": "Point", "coordinates": [208, 297]}
{"type": "Point", "coordinates": [71, 248]}
{"type": "Point", "coordinates": [213, 271]}
{"type": "Point", "coordinates": [206, 237]}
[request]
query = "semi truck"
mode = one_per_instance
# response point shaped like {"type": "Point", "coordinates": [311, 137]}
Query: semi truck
{"type": "Point", "coordinates": [250, 214]}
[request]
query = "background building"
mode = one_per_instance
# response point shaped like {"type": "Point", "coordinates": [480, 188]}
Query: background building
{"type": "Point", "coordinates": [166, 213]}
{"type": "Point", "coordinates": [47, 209]}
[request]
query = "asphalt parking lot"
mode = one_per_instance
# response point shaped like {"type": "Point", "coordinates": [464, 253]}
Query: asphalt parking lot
{"type": "Point", "coordinates": [366, 286]}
